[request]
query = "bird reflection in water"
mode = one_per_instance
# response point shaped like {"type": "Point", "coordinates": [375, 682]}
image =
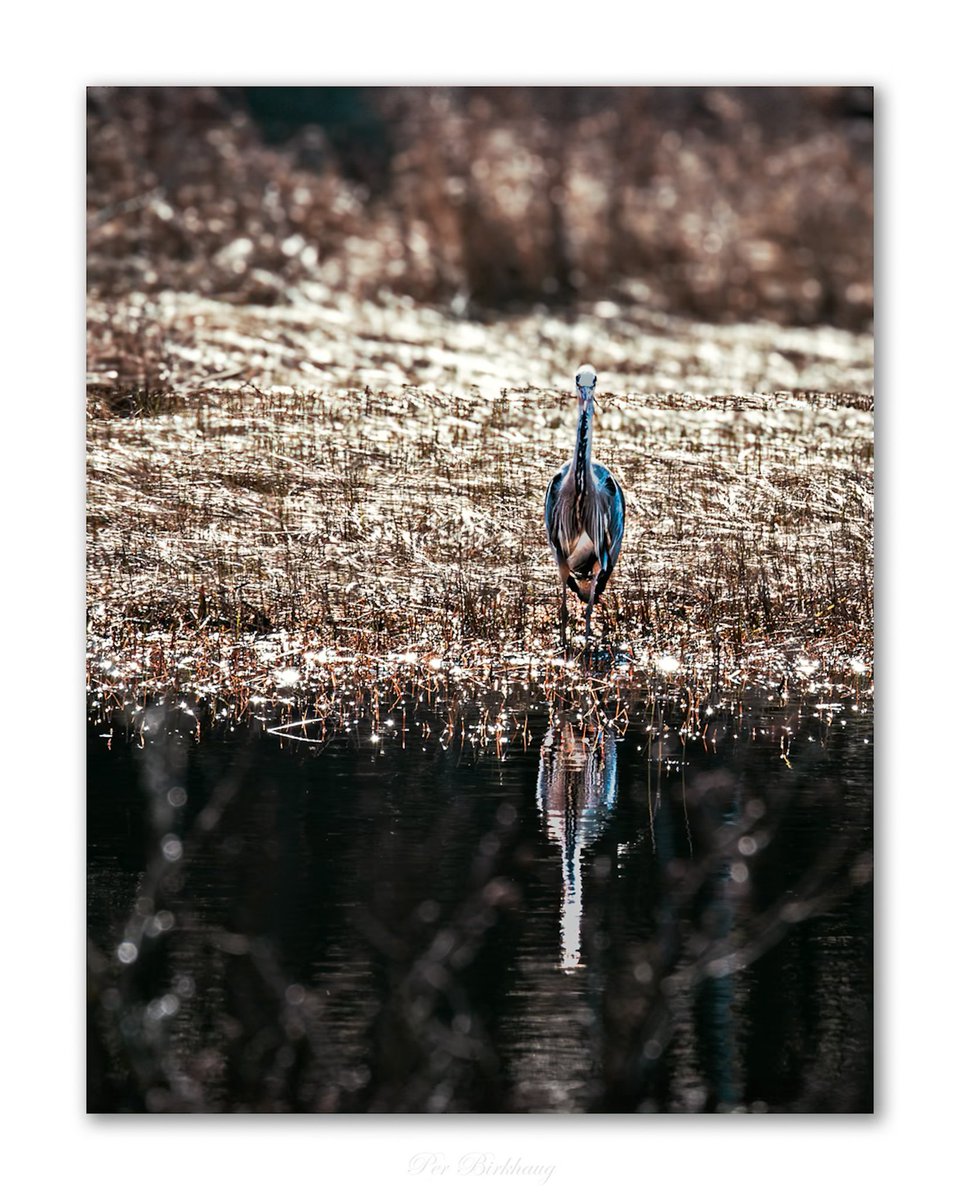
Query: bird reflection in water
{"type": "Point", "coordinates": [576, 792]}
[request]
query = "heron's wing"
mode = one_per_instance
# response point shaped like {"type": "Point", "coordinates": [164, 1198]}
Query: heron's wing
{"type": "Point", "coordinates": [613, 506]}
{"type": "Point", "coordinates": [551, 509]}
{"type": "Point", "coordinates": [613, 539]}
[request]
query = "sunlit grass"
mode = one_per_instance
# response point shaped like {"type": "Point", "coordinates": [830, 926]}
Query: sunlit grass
{"type": "Point", "coordinates": [240, 538]}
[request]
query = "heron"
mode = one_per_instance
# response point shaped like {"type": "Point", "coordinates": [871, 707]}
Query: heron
{"type": "Point", "coordinates": [583, 512]}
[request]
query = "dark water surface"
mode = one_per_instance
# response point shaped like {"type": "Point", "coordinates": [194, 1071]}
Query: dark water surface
{"type": "Point", "coordinates": [600, 912]}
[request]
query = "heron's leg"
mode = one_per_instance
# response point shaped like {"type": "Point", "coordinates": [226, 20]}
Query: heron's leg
{"type": "Point", "coordinates": [564, 575]}
{"type": "Point", "coordinates": [593, 588]}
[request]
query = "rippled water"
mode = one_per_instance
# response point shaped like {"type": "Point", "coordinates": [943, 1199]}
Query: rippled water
{"type": "Point", "coordinates": [661, 904]}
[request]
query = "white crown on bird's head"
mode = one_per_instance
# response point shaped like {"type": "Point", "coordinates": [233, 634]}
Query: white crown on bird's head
{"type": "Point", "coordinates": [586, 376]}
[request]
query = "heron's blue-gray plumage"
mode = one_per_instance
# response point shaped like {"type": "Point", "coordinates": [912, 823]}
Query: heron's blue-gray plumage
{"type": "Point", "coordinates": [584, 510]}
{"type": "Point", "coordinates": [585, 528]}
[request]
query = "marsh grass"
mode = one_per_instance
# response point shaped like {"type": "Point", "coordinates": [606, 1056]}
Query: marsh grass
{"type": "Point", "coordinates": [368, 521]}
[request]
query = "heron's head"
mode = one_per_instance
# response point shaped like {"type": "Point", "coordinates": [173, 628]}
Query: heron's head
{"type": "Point", "coordinates": [586, 383]}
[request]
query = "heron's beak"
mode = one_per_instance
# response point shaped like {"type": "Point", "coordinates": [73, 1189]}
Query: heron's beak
{"type": "Point", "coordinates": [587, 400]}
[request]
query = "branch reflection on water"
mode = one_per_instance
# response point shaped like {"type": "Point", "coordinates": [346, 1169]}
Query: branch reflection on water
{"type": "Point", "coordinates": [361, 913]}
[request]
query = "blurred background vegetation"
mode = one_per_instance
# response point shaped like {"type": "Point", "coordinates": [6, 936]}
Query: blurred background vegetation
{"type": "Point", "coordinates": [722, 204]}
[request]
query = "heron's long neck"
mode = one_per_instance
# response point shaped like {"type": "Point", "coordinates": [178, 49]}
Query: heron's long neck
{"type": "Point", "coordinates": [582, 469]}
